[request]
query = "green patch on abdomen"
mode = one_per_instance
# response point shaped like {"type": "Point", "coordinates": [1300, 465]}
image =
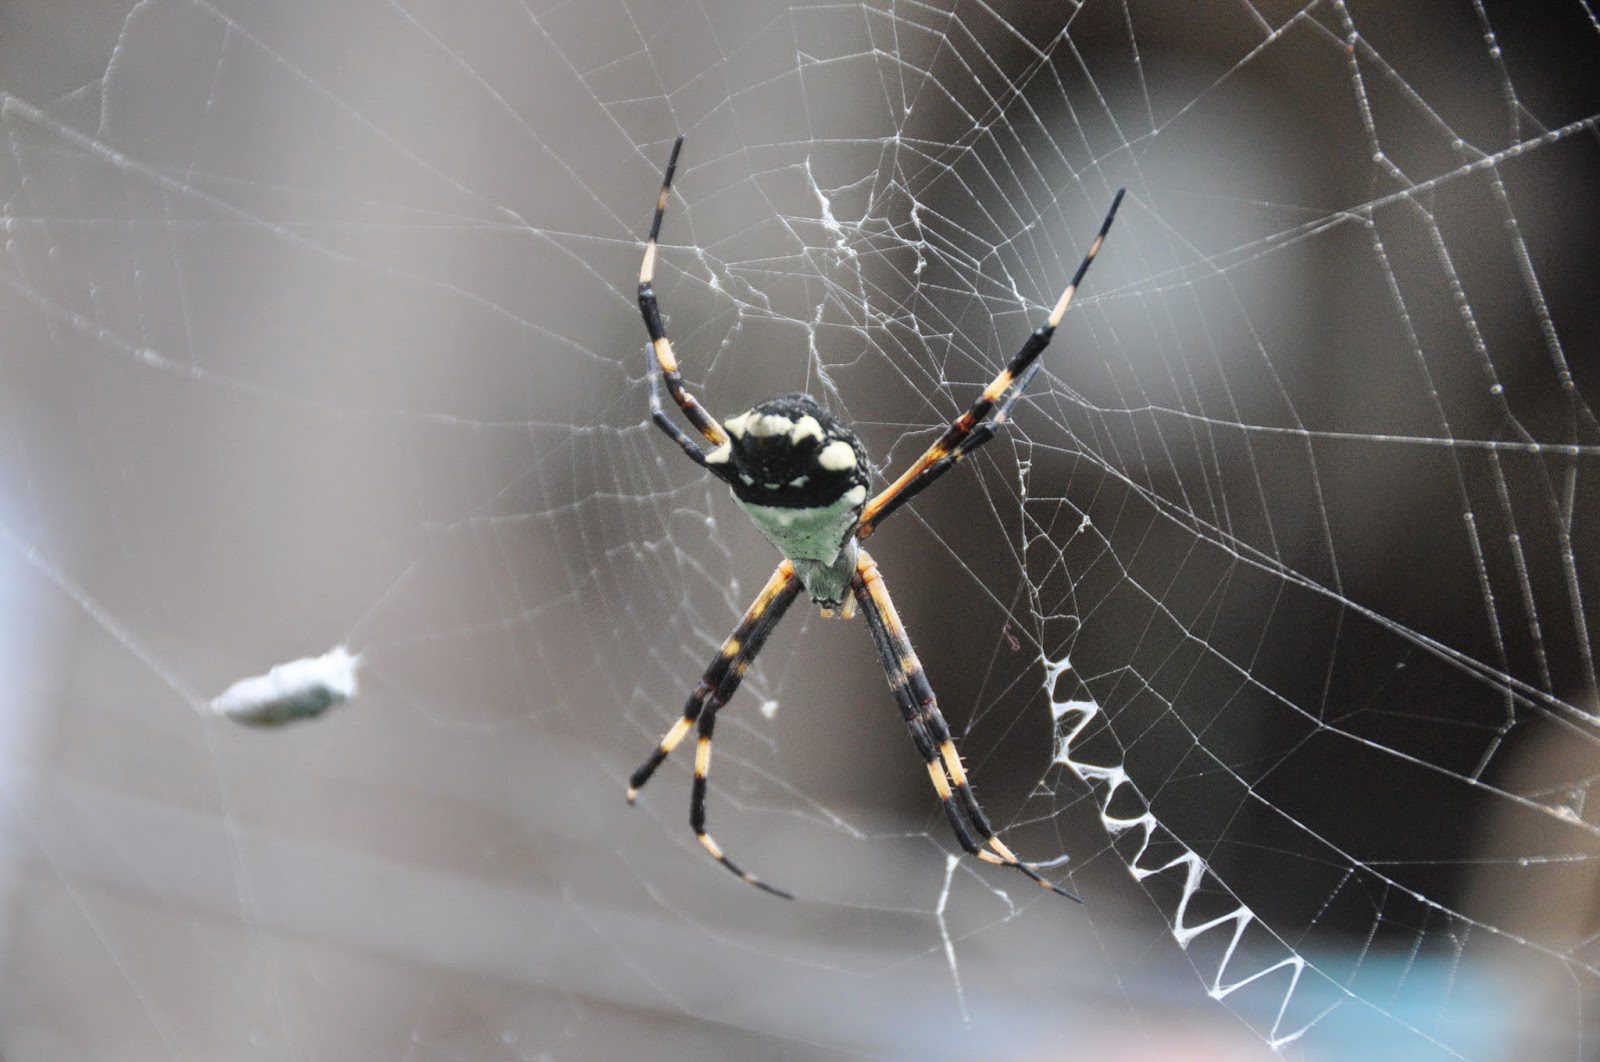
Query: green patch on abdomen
{"type": "Point", "coordinates": [808, 534]}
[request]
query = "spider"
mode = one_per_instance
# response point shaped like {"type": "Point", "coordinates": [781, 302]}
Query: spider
{"type": "Point", "coordinates": [802, 477]}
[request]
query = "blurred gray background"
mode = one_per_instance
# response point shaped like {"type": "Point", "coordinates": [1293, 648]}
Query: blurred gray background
{"type": "Point", "coordinates": [319, 329]}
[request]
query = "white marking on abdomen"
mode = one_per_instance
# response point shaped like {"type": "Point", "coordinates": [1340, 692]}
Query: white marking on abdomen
{"type": "Point", "coordinates": [837, 456]}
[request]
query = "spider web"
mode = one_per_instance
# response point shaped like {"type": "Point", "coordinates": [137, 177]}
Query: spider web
{"type": "Point", "coordinates": [1266, 623]}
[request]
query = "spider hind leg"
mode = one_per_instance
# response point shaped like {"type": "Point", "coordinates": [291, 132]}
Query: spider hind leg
{"type": "Point", "coordinates": [929, 732]}
{"type": "Point", "coordinates": [717, 686]}
{"type": "Point", "coordinates": [697, 809]}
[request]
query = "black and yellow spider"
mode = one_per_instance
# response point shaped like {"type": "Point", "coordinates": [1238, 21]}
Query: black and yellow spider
{"type": "Point", "coordinates": [802, 477]}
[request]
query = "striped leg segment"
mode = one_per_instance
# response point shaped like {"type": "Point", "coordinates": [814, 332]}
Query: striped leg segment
{"type": "Point", "coordinates": [697, 806]}
{"type": "Point", "coordinates": [717, 686]}
{"type": "Point", "coordinates": [660, 345]}
{"type": "Point", "coordinates": [890, 657]}
{"type": "Point", "coordinates": [920, 709]}
{"type": "Point", "coordinates": [675, 433]}
{"type": "Point", "coordinates": [722, 678]}
{"type": "Point", "coordinates": [966, 433]}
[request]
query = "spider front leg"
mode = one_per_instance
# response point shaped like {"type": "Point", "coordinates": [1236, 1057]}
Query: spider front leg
{"type": "Point", "coordinates": [675, 433]}
{"type": "Point", "coordinates": [929, 732]}
{"type": "Point", "coordinates": [971, 430]}
{"type": "Point", "coordinates": [661, 346]}
{"type": "Point", "coordinates": [717, 686]}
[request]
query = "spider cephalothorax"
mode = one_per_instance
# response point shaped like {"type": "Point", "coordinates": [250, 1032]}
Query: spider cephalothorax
{"type": "Point", "coordinates": [802, 477]}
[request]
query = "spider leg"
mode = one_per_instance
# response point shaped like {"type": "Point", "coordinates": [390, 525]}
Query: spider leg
{"type": "Point", "coordinates": [697, 805]}
{"type": "Point", "coordinates": [929, 732]}
{"type": "Point", "coordinates": [661, 346]}
{"type": "Point", "coordinates": [717, 686]}
{"type": "Point", "coordinates": [664, 422]}
{"type": "Point", "coordinates": [971, 430]}
{"type": "Point", "coordinates": [978, 436]}
{"type": "Point", "coordinates": [722, 678]}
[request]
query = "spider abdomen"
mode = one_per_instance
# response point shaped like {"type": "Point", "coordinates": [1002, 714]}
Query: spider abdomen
{"type": "Point", "coordinates": [801, 475]}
